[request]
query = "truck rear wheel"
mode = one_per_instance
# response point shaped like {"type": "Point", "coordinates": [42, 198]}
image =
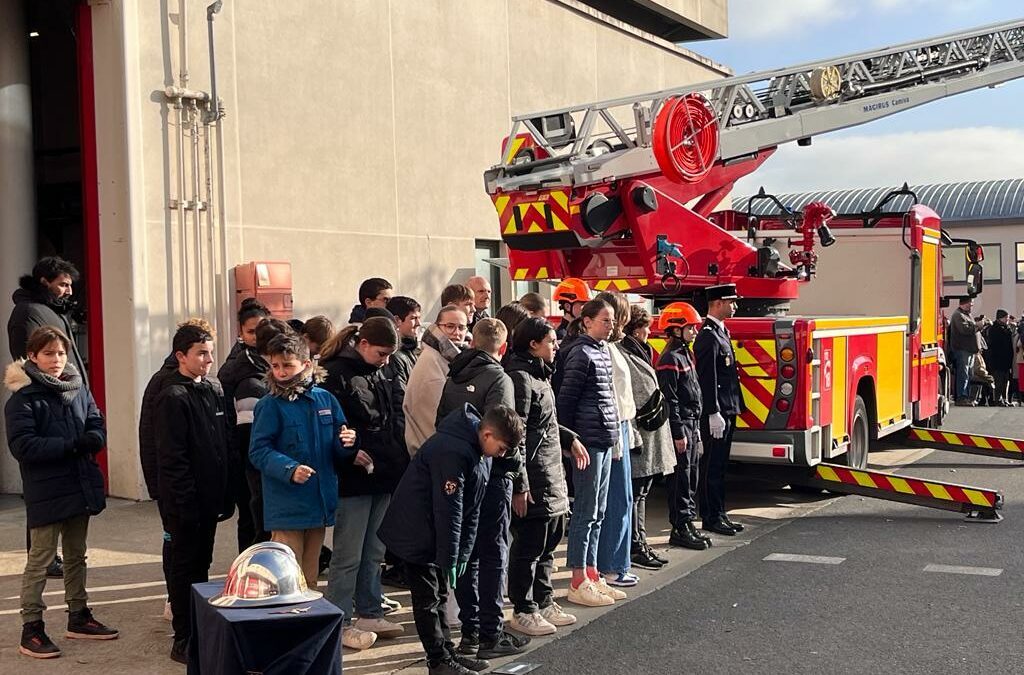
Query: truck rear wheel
{"type": "Point", "coordinates": [856, 456]}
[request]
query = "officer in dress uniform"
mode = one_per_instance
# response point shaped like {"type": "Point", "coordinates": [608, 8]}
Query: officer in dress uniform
{"type": "Point", "coordinates": [721, 403]}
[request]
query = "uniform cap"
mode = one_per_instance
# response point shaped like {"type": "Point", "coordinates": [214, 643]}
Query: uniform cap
{"type": "Point", "coordinates": [721, 292]}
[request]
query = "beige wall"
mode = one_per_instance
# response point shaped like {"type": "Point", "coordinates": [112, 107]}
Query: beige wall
{"type": "Point", "coordinates": [1003, 294]}
{"type": "Point", "coordinates": [355, 140]}
{"type": "Point", "coordinates": [712, 14]}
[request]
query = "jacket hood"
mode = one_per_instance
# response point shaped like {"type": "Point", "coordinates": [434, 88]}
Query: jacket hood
{"type": "Point", "coordinates": [409, 344]}
{"type": "Point", "coordinates": [471, 364]}
{"type": "Point", "coordinates": [30, 290]}
{"type": "Point", "coordinates": [170, 363]}
{"type": "Point", "coordinates": [534, 365]}
{"type": "Point", "coordinates": [463, 424]}
{"type": "Point", "coordinates": [15, 377]}
{"type": "Point", "coordinates": [358, 314]}
{"type": "Point", "coordinates": [357, 362]}
{"type": "Point", "coordinates": [243, 362]}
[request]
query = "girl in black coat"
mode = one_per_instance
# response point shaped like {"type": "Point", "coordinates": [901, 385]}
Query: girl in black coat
{"type": "Point", "coordinates": [54, 430]}
{"type": "Point", "coordinates": [539, 529]}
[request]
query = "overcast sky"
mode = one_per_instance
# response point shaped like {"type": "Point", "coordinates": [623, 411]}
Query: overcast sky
{"type": "Point", "coordinates": [973, 136]}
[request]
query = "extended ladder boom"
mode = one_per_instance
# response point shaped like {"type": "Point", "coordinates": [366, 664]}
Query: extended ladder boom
{"type": "Point", "coordinates": [587, 144]}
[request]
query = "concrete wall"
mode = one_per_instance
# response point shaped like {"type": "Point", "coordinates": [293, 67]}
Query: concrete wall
{"type": "Point", "coordinates": [354, 144]}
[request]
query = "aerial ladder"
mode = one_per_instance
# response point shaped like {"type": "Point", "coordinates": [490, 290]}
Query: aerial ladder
{"type": "Point", "coordinates": [620, 193]}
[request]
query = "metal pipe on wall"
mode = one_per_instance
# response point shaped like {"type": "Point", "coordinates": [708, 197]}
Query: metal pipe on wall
{"type": "Point", "coordinates": [213, 121]}
{"type": "Point", "coordinates": [197, 208]}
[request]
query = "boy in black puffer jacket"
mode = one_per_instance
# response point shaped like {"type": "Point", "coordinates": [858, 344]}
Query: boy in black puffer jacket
{"type": "Point", "coordinates": [54, 430]}
{"type": "Point", "coordinates": [477, 378]}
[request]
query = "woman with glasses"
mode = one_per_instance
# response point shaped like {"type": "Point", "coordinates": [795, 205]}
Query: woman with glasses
{"type": "Point", "coordinates": [586, 405]}
{"type": "Point", "coordinates": [442, 342]}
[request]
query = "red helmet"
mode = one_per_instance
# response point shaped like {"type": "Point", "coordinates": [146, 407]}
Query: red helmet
{"type": "Point", "coordinates": [678, 315]}
{"type": "Point", "coordinates": [572, 290]}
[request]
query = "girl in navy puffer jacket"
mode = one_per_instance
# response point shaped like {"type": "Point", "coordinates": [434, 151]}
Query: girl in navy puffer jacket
{"type": "Point", "coordinates": [586, 405]}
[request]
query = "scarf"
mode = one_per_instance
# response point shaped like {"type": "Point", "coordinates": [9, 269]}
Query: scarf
{"type": "Point", "coordinates": [436, 339]}
{"type": "Point", "coordinates": [296, 386]}
{"type": "Point", "coordinates": [641, 350]}
{"type": "Point", "coordinates": [67, 385]}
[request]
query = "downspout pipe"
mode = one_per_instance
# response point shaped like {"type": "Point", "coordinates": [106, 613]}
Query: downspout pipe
{"type": "Point", "coordinates": [213, 112]}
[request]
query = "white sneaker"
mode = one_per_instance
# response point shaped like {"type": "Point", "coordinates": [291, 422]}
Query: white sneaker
{"type": "Point", "coordinates": [353, 638]}
{"type": "Point", "coordinates": [613, 593]}
{"type": "Point", "coordinates": [589, 595]}
{"type": "Point", "coordinates": [556, 616]}
{"type": "Point", "coordinates": [382, 627]}
{"type": "Point", "coordinates": [531, 624]}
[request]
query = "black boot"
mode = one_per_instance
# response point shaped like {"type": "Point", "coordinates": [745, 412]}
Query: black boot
{"type": "Point", "coordinates": [36, 643]}
{"type": "Point", "coordinates": [179, 651]}
{"type": "Point", "coordinates": [83, 626]}
{"type": "Point", "coordinates": [734, 525]}
{"type": "Point", "coordinates": [681, 536]}
{"type": "Point", "coordinates": [697, 533]}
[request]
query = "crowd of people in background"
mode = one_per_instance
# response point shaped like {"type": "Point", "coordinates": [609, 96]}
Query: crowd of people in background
{"type": "Point", "coordinates": [451, 458]}
{"type": "Point", "coordinates": [986, 356]}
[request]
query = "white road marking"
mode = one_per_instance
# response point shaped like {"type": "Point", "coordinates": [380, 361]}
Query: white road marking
{"type": "Point", "coordinates": [796, 557]}
{"type": "Point", "coordinates": [963, 569]}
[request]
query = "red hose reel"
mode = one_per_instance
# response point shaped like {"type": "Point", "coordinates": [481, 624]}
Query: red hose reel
{"type": "Point", "coordinates": [685, 139]}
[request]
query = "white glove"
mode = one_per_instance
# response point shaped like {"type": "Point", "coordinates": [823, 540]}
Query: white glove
{"type": "Point", "coordinates": [717, 425]}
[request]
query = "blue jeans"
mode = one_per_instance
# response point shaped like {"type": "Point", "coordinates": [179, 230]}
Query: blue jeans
{"type": "Point", "coordinates": [357, 556]}
{"type": "Point", "coordinates": [964, 363]}
{"type": "Point", "coordinates": [481, 589]}
{"type": "Point", "coordinates": [588, 508]}
{"type": "Point", "coordinates": [613, 549]}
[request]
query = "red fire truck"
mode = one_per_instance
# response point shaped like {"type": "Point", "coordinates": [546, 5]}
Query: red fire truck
{"type": "Point", "coordinates": [839, 335]}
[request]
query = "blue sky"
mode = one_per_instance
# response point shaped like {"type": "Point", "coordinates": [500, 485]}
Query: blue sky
{"type": "Point", "coordinates": [974, 136]}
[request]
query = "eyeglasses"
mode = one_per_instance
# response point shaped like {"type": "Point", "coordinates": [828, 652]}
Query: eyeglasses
{"type": "Point", "coordinates": [453, 326]}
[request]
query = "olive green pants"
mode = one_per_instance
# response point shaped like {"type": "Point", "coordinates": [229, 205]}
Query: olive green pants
{"type": "Point", "coordinates": [44, 546]}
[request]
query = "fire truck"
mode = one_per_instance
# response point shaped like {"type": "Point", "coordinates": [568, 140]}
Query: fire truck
{"type": "Point", "coordinates": [839, 337]}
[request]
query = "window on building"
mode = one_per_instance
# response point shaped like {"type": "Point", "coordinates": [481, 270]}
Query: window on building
{"type": "Point", "coordinates": [487, 250]}
{"type": "Point", "coordinates": [1019, 247]}
{"type": "Point", "coordinates": [954, 264]}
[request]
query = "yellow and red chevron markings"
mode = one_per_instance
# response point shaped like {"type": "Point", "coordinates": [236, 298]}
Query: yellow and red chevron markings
{"type": "Point", "coordinates": [758, 369]}
{"type": "Point", "coordinates": [622, 285]}
{"type": "Point", "coordinates": [955, 497]}
{"type": "Point", "coordinates": [993, 446]}
{"type": "Point", "coordinates": [547, 212]}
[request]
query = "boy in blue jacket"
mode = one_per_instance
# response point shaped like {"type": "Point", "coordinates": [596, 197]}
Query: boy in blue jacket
{"type": "Point", "coordinates": [432, 520]}
{"type": "Point", "coordinates": [298, 433]}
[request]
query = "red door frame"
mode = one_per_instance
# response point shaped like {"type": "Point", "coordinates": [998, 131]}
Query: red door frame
{"type": "Point", "coordinates": [91, 213]}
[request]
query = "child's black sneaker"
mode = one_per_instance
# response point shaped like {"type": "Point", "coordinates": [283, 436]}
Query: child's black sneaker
{"type": "Point", "coordinates": [36, 643]}
{"type": "Point", "coordinates": [448, 667]}
{"type": "Point", "coordinates": [506, 644]}
{"type": "Point", "coordinates": [83, 626]}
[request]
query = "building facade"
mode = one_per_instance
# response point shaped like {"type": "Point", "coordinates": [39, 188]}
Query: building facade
{"type": "Point", "coordinates": [352, 144]}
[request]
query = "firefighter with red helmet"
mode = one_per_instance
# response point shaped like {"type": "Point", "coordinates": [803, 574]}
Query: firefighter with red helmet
{"type": "Point", "coordinates": [570, 294]}
{"type": "Point", "coordinates": [677, 378]}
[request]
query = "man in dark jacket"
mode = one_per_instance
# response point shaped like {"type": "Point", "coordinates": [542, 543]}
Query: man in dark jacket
{"type": "Point", "coordinates": [408, 315]}
{"type": "Point", "coordinates": [432, 521]}
{"type": "Point", "coordinates": [1000, 355]}
{"type": "Point", "coordinates": [192, 472]}
{"type": "Point", "coordinates": [677, 378]}
{"type": "Point", "coordinates": [721, 402]}
{"type": "Point", "coordinates": [374, 292]}
{"type": "Point", "coordinates": [477, 378]}
{"type": "Point", "coordinates": [44, 299]}
{"type": "Point", "coordinates": [481, 288]}
{"type": "Point", "coordinates": [963, 345]}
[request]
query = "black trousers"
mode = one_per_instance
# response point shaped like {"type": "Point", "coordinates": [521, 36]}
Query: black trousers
{"type": "Point", "coordinates": [191, 555]}
{"type": "Point", "coordinates": [641, 488]}
{"type": "Point", "coordinates": [713, 463]}
{"type": "Point", "coordinates": [683, 483]}
{"type": "Point", "coordinates": [254, 481]}
{"type": "Point", "coordinates": [245, 525]}
{"type": "Point", "coordinates": [428, 588]}
{"type": "Point", "coordinates": [1002, 384]}
{"type": "Point", "coordinates": [480, 591]}
{"type": "Point", "coordinates": [532, 560]}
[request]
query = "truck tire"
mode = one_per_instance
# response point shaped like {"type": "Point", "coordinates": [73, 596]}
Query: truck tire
{"type": "Point", "coordinates": [856, 456]}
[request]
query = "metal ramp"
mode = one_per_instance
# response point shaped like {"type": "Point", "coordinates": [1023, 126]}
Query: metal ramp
{"type": "Point", "coordinates": [979, 504]}
{"type": "Point", "coordinates": [972, 444]}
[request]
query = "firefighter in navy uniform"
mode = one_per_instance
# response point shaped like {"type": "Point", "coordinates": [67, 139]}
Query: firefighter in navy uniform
{"type": "Point", "coordinates": [722, 402]}
{"type": "Point", "coordinates": [677, 378]}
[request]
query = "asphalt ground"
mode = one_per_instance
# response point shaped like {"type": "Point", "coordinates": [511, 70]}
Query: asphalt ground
{"type": "Point", "coordinates": [876, 611]}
